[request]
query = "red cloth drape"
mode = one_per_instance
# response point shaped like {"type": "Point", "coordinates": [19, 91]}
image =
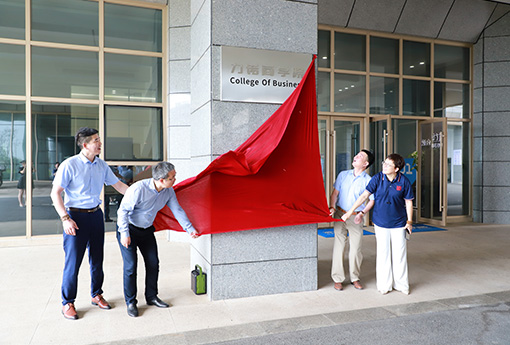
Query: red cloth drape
{"type": "Point", "coordinates": [273, 179]}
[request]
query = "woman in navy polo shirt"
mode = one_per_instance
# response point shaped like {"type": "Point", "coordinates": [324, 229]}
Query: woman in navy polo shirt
{"type": "Point", "coordinates": [392, 217]}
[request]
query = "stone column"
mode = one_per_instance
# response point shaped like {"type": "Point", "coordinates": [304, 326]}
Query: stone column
{"type": "Point", "coordinates": [254, 262]}
{"type": "Point", "coordinates": [491, 120]}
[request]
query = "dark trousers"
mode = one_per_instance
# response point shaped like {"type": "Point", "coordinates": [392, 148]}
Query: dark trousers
{"type": "Point", "coordinates": [89, 235]}
{"type": "Point", "coordinates": [144, 240]}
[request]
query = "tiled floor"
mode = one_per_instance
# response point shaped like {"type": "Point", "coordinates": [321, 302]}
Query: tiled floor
{"type": "Point", "coordinates": [468, 264]}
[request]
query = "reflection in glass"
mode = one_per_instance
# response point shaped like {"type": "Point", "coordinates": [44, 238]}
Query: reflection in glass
{"type": "Point", "coordinates": [347, 144]}
{"type": "Point", "coordinates": [458, 174]}
{"type": "Point", "coordinates": [378, 143]}
{"type": "Point", "coordinates": [12, 153]}
{"type": "Point", "coordinates": [12, 69]}
{"type": "Point", "coordinates": [350, 94]}
{"type": "Point", "coordinates": [383, 55]}
{"type": "Point", "coordinates": [431, 141]}
{"type": "Point", "coordinates": [12, 19]}
{"type": "Point", "coordinates": [324, 54]}
{"type": "Point", "coordinates": [350, 51]}
{"type": "Point", "coordinates": [404, 143]}
{"type": "Point", "coordinates": [128, 174]}
{"type": "Point", "coordinates": [416, 58]}
{"type": "Point", "coordinates": [416, 97]}
{"type": "Point", "coordinates": [383, 95]}
{"type": "Point", "coordinates": [135, 28]}
{"type": "Point", "coordinates": [451, 62]}
{"type": "Point", "coordinates": [66, 21]}
{"type": "Point", "coordinates": [323, 137]}
{"type": "Point", "coordinates": [132, 78]}
{"type": "Point", "coordinates": [451, 100]}
{"type": "Point", "coordinates": [133, 133]}
{"type": "Point", "coordinates": [53, 128]}
{"type": "Point", "coordinates": [65, 73]}
{"type": "Point", "coordinates": [323, 91]}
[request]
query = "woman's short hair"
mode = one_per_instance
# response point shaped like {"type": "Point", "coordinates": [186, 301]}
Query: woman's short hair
{"type": "Point", "coordinates": [398, 160]}
{"type": "Point", "coordinates": [161, 170]}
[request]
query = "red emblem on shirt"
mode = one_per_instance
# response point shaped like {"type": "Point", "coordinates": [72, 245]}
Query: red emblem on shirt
{"type": "Point", "coordinates": [399, 188]}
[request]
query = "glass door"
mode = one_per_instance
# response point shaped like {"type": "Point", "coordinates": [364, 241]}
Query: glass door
{"type": "Point", "coordinates": [381, 140]}
{"type": "Point", "coordinates": [431, 167]}
{"type": "Point", "coordinates": [339, 141]}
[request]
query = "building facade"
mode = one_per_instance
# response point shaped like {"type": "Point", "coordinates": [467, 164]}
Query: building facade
{"type": "Point", "coordinates": [428, 80]}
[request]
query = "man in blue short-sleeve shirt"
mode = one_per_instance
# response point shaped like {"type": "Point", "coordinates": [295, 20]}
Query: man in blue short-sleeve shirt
{"type": "Point", "coordinates": [349, 185]}
{"type": "Point", "coordinates": [82, 177]}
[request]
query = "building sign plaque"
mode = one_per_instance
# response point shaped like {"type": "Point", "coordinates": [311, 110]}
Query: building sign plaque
{"type": "Point", "coordinates": [262, 76]}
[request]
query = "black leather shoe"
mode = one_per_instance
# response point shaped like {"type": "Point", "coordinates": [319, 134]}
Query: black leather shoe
{"type": "Point", "coordinates": [158, 303]}
{"type": "Point", "coordinates": [132, 310]}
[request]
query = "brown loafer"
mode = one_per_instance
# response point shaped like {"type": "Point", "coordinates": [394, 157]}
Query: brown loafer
{"type": "Point", "coordinates": [69, 311]}
{"type": "Point", "coordinates": [338, 286]}
{"type": "Point", "coordinates": [357, 285]}
{"type": "Point", "coordinates": [101, 302]}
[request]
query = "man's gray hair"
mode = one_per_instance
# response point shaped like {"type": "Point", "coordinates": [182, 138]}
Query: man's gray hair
{"type": "Point", "coordinates": [161, 170]}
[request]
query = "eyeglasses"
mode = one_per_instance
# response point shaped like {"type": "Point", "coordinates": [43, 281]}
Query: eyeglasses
{"type": "Point", "coordinates": [388, 164]}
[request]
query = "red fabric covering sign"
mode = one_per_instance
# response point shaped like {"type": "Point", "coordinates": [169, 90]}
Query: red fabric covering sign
{"type": "Point", "coordinates": [274, 179]}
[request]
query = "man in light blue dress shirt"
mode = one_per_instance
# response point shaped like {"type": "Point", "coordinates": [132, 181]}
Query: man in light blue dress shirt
{"type": "Point", "coordinates": [82, 177]}
{"type": "Point", "coordinates": [135, 216]}
{"type": "Point", "coordinates": [349, 185]}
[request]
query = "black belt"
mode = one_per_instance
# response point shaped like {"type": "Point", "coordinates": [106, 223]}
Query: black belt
{"type": "Point", "coordinates": [84, 210]}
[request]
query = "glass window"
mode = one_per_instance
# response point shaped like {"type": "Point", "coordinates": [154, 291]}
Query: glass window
{"type": "Point", "coordinates": [416, 58]}
{"type": "Point", "coordinates": [416, 97]}
{"type": "Point", "coordinates": [133, 133]}
{"type": "Point", "coordinates": [66, 21]}
{"type": "Point", "coordinates": [451, 62]}
{"type": "Point", "coordinates": [383, 95]}
{"type": "Point", "coordinates": [324, 54]}
{"type": "Point", "coordinates": [323, 91]}
{"type": "Point", "coordinates": [350, 94]}
{"type": "Point", "coordinates": [65, 73]}
{"type": "Point", "coordinates": [132, 78]}
{"type": "Point", "coordinates": [451, 100]}
{"type": "Point", "coordinates": [383, 55]}
{"type": "Point", "coordinates": [12, 19]}
{"type": "Point", "coordinates": [12, 154]}
{"type": "Point", "coordinates": [134, 28]}
{"type": "Point", "coordinates": [350, 51]}
{"type": "Point", "coordinates": [53, 128]}
{"type": "Point", "coordinates": [347, 144]}
{"type": "Point", "coordinates": [12, 69]}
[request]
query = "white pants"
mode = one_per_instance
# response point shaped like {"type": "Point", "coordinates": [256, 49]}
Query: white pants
{"type": "Point", "coordinates": [391, 261]}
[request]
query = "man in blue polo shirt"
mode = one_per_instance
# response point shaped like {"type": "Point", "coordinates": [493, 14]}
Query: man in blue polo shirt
{"type": "Point", "coordinates": [349, 185]}
{"type": "Point", "coordinates": [82, 177]}
{"type": "Point", "coordinates": [135, 216]}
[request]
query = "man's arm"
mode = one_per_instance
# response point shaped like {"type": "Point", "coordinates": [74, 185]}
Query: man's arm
{"type": "Point", "coordinates": [120, 187]}
{"type": "Point", "coordinates": [332, 202]}
{"type": "Point", "coordinates": [126, 207]}
{"type": "Point", "coordinates": [68, 224]}
{"type": "Point", "coordinates": [181, 216]}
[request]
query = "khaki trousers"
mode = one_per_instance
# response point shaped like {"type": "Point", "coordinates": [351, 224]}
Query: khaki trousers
{"type": "Point", "coordinates": [355, 257]}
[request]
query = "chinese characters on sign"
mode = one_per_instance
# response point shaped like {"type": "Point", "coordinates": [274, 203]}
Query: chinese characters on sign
{"type": "Point", "coordinates": [434, 142]}
{"type": "Point", "coordinates": [253, 75]}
